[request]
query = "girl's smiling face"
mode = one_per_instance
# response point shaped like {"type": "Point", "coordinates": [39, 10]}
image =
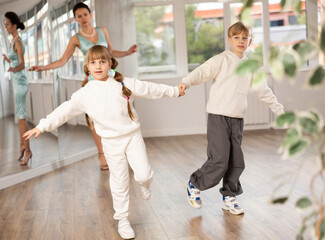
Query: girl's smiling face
{"type": "Point", "coordinates": [99, 69]}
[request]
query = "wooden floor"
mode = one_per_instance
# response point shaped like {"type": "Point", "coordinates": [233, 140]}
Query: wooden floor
{"type": "Point", "coordinates": [47, 148]}
{"type": "Point", "coordinates": [75, 202]}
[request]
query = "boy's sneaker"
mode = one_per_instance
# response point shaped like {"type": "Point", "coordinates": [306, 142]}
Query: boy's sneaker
{"type": "Point", "coordinates": [193, 195]}
{"type": "Point", "coordinates": [125, 230]}
{"type": "Point", "coordinates": [232, 205]}
{"type": "Point", "coordinates": [145, 192]}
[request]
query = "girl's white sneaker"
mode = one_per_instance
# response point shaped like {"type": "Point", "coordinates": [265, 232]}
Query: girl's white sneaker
{"type": "Point", "coordinates": [124, 229]}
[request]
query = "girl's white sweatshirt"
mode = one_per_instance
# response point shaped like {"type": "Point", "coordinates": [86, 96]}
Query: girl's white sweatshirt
{"type": "Point", "coordinates": [105, 104]}
{"type": "Point", "coordinates": [228, 92]}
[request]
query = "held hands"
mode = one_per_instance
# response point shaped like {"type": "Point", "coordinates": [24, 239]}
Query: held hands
{"type": "Point", "coordinates": [35, 131]}
{"type": "Point", "coordinates": [181, 88]}
{"type": "Point", "coordinates": [36, 68]}
{"type": "Point", "coordinates": [132, 49]}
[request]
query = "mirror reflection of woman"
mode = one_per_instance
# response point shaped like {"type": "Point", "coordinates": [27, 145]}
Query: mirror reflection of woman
{"type": "Point", "coordinates": [87, 37]}
{"type": "Point", "coordinates": [16, 59]}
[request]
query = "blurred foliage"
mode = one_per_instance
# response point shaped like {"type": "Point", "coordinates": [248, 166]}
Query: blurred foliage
{"type": "Point", "coordinates": [305, 128]}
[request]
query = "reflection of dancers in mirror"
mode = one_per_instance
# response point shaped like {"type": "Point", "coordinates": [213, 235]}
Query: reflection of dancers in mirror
{"type": "Point", "coordinates": [19, 79]}
{"type": "Point", "coordinates": [84, 39]}
{"type": "Point", "coordinates": [107, 101]}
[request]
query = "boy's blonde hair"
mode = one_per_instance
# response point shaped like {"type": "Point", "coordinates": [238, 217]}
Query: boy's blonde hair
{"type": "Point", "coordinates": [238, 28]}
{"type": "Point", "coordinates": [101, 52]}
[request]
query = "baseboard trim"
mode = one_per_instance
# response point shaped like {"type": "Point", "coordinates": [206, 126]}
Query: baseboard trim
{"type": "Point", "coordinates": [49, 167]}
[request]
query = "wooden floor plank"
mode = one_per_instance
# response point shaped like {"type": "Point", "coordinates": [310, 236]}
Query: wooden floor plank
{"type": "Point", "coordinates": [75, 202]}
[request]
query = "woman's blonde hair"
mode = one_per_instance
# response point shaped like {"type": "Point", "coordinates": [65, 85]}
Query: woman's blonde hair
{"type": "Point", "coordinates": [101, 52]}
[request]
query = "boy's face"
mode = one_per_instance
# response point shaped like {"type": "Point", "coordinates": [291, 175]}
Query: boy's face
{"type": "Point", "coordinates": [239, 43]}
{"type": "Point", "coordinates": [99, 69]}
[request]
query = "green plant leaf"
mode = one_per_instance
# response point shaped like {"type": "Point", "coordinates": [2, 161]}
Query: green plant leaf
{"type": "Point", "coordinates": [308, 125]}
{"type": "Point", "coordinates": [300, 236]}
{"type": "Point", "coordinates": [281, 200]}
{"type": "Point", "coordinates": [303, 202]}
{"type": "Point", "coordinates": [245, 16]}
{"type": "Point", "coordinates": [323, 158]}
{"type": "Point", "coordinates": [285, 119]}
{"type": "Point", "coordinates": [258, 79]}
{"type": "Point", "coordinates": [297, 147]}
{"type": "Point", "coordinates": [317, 77]}
{"type": "Point", "coordinates": [248, 4]}
{"type": "Point", "coordinates": [322, 38]}
{"type": "Point", "coordinates": [305, 49]}
{"type": "Point", "coordinates": [315, 114]}
{"type": "Point", "coordinates": [247, 67]}
{"type": "Point", "coordinates": [277, 69]}
{"type": "Point", "coordinates": [290, 65]}
{"type": "Point", "coordinates": [298, 7]}
{"type": "Point", "coordinates": [283, 3]}
{"type": "Point", "coordinates": [322, 229]}
{"type": "Point", "coordinates": [274, 52]}
{"type": "Point", "coordinates": [292, 136]}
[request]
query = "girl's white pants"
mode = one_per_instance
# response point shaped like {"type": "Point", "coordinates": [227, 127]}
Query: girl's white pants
{"type": "Point", "coordinates": [119, 152]}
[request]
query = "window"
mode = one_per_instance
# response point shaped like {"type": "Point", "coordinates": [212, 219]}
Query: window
{"type": "Point", "coordinates": [40, 56]}
{"type": "Point", "coordinates": [285, 27]}
{"type": "Point", "coordinates": [75, 54]}
{"type": "Point", "coordinates": [26, 55]}
{"type": "Point", "coordinates": [4, 50]}
{"type": "Point", "coordinates": [204, 32]}
{"type": "Point", "coordinates": [156, 39]}
{"type": "Point", "coordinates": [46, 39]}
{"type": "Point", "coordinates": [31, 50]}
{"type": "Point", "coordinates": [321, 20]}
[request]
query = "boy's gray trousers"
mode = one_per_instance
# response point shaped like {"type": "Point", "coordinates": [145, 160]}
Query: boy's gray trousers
{"type": "Point", "coordinates": [225, 156]}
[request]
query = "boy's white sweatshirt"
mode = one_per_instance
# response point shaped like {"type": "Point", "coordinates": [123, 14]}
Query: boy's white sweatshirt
{"type": "Point", "coordinates": [228, 92]}
{"type": "Point", "coordinates": [105, 104]}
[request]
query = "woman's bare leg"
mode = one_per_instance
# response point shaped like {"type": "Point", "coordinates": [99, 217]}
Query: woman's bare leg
{"type": "Point", "coordinates": [102, 160]}
{"type": "Point", "coordinates": [23, 127]}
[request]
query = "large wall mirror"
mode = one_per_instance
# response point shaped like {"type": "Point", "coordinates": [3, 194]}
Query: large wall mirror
{"type": "Point", "coordinates": [49, 26]}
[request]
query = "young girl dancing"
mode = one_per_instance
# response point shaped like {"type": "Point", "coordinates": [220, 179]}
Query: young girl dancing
{"type": "Point", "coordinates": [106, 100]}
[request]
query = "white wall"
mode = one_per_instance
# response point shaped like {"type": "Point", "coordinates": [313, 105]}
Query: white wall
{"type": "Point", "coordinates": [296, 95]}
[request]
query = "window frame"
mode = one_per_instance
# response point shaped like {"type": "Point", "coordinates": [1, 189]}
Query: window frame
{"type": "Point", "coordinates": [180, 30]}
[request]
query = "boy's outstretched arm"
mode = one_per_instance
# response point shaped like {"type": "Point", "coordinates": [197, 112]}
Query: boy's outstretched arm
{"type": "Point", "coordinates": [203, 73]}
{"type": "Point", "coordinates": [265, 94]}
{"type": "Point", "coordinates": [35, 131]}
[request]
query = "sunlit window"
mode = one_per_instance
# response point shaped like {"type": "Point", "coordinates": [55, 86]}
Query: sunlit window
{"type": "Point", "coordinates": [204, 32]}
{"type": "Point", "coordinates": [46, 40]}
{"type": "Point", "coordinates": [321, 20]}
{"type": "Point", "coordinates": [75, 54]}
{"type": "Point", "coordinates": [286, 26]}
{"type": "Point", "coordinates": [156, 40]}
{"type": "Point", "coordinates": [31, 50]}
{"type": "Point", "coordinates": [4, 50]}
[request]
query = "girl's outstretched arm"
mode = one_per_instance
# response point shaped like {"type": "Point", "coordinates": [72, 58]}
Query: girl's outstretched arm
{"type": "Point", "coordinates": [35, 131]}
{"type": "Point", "coordinates": [151, 90]}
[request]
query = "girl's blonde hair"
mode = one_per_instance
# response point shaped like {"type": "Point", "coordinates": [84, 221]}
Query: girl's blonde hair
{"type": "Point", "coordinates": [101, 52]}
